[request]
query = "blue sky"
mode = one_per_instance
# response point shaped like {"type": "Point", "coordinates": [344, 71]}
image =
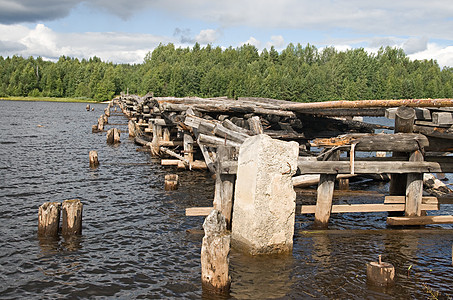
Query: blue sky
{"type": "Point", "coordinates": [123, 31]}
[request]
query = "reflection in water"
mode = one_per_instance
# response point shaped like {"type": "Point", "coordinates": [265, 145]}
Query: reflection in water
{"type": "Point", "coordinates": [49, 245]}
{"type": "Point", "coordinates": [260, 277]}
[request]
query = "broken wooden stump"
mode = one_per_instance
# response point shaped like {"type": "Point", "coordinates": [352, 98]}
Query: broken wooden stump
{"type": "Point", "coordinates": [100, 123]}
{"type": "Point", "coordinates": [49, 219]}
{"type": "Point", "coordinates": [113, 136]}
{"type": "Point", "coordinates": [171, 182]}
{"type": "Point", "coordinates": [380, 273]}
{"type": "Point", "coordinates": [131, 128]}
{"type": "Point", "coordinates": [214, 254]}
{"type": "Point", "coordinates": [71, 217]}
{"type": "Point", "coordinates": [264, 198]}
{"type": "Point", "coordinates": [88, 107]}
{"type": "Point", "coordinates": [94, 161]}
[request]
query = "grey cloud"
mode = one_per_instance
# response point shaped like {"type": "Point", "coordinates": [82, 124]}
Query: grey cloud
{"type": "Point", "coordinates": [382, 42]}
{"type": "Point", "coordinates": [184, 35]}
{"type": "Point", "coordinates": [11, 47]}
{"type": "Point", "coordinates": [18, 11]}
{"type": "Point", "coordinates": [414, 45]}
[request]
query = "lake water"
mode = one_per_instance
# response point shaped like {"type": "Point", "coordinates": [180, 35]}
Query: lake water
{"type": "Point", "coordinates": [138, 243]}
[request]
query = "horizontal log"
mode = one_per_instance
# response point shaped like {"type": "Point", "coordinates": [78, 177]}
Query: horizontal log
{"type": "Point", "coordinates": [438, 132]}
{"type": "Point", "coordinates": [423, 220]}
{"type": "Point", "coordinates": [311, 179]}
{"type": "Point", "coordinates": [402, 199]}
{"type": "Point", "coordinates": [340, 208]}
{"type": "Point", "coordinates": [370, 167]}
{"type": "Point", "coordinates": [369, 104]}
{"type": "Point", "coordinates": [216, 141]}
{"type": "Point", "coordinates": [348, 112]}
{"type": "Point", "coordinates": [400, 142]}
{"type": "Point", "coordinates": [169, 162]}
{"type": "Point", "coordinates": [356, 208]}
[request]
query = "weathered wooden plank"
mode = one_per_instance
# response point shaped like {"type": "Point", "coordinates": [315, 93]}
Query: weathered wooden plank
{"type": "Point", "coordinates": [400, 142]}
{"type": "Point", "coordinates": [369, 167]}
{"type": "Point", "coordinates": [216, 141]}
{"type": "Point", "coordinates": [423, 220]}
{"type": "Point", "coordinates": [198, 211]}
{"type": "Point", "coordinates": [442, 118]}
{"type": "Point", "coordinates": [414, 188]}
{"type": "Point", "coordinates": [358, 208]}
{"type": "Point", "coordinates": [402, 200]}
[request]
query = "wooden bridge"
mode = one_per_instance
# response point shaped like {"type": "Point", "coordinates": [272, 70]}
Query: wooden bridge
{"type": "Point", "coordinates": [200, 133]}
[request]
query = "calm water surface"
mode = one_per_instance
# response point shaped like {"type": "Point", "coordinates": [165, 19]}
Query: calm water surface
{"type": "Point", "coordinates": [137, 243]}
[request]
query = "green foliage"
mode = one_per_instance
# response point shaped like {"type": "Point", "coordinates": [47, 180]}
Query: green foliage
{"type": "Point", "coordinates": [297, 73]}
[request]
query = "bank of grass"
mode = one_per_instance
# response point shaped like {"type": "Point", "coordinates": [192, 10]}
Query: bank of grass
{"type": "Point", "coordinates": [50, 99]}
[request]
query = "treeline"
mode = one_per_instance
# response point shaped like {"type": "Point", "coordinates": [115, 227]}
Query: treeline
{"type": "Point", "coordinates": [298, 73]}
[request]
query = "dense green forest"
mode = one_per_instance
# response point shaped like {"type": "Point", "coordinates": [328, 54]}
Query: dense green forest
{"type": "Point", "coordinates": [297, 73]}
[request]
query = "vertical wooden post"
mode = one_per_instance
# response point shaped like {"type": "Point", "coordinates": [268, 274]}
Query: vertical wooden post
{"type": "Point", "coordinates": [131, 128]}
{"type": "Point", "coordinates": [325, 194]}
{"type": "Point", "coordinates": [414, 190]}
{"type": "Point", "coordinates": [404, 123]}
{"type": "Point", "coordinates": [214, 254]}
{"type": "Point", "coordinates": [71, 217]}
{"type": "Point", "coordinates": [224, 185]}
{"type": "Point", "coordinates": [101, 123]}
{"type": "Point", "coordinates": [157, 136]}
{"type": "Point", "coordinates": [255, 125]}
{"type": "Point", "coordinates": [166, 134]}
{"type": "Point", "coordinates": [113, 136]}
{"type": "Point", "coordinates": [94, 161]}
{"type": "Point", "coordinates": [171, 182]}
{"type": "Point", "coordinates": [49, 219]}
{"type": "Point", "coordinates": [188, 147]}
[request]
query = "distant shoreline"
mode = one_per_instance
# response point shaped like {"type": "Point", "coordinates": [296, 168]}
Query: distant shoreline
{"type": "Point", "coordinates": [49, 99]}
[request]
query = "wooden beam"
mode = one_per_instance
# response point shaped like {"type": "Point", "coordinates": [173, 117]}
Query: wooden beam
{"type": "Point", "coordinates": [360, 208]}
{"type": "Point", "coordinates": [423, 220]}
{"type": "Point", "coordinates": [198, 211]}
{"type": "Point", "coordinates": [369, 167]}
{"type": "Point", "coordinates": [369, 104]}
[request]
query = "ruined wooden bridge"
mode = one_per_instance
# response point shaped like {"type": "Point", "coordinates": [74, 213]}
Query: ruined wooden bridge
{"type": "Point", "coordinates": [260, 149]}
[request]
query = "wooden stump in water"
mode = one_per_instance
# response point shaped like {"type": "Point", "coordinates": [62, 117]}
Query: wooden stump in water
{"type": "Point", "coordinates": [88, 107]}
{"type": "Point", "coordinates": [214, 254]}
{"type": "Point", "coordinates": [106, 119]}
{"type": "Point", "coordinates": [49, 219]}
{"type": "Point", "coordinates": [100, 123]}
{"type": "Point", "coordinates": [113, 136]}
{"type": "Point", "coordinates": [171, 182]}
{"type": "Point", "coordinates": [94, 161]}
{"type": "Point", "coordinates": [131, 127]}
{"type": "Point", "coordinates": [71, 217]}
{"type": "Point", "coordinates": [380, 273]}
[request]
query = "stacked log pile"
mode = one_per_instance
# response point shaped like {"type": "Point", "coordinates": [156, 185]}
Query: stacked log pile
{"type": "Point", "coordinates": [190, 129]}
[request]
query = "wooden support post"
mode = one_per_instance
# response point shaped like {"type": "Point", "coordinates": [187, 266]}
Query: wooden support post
{"type": "Point", "coordinates": [214, 254]}
{"type": "Point", "coordinates": [49, 219]}
{"type": "Point", "coordinates": [131, 128]}
{"type": "Point", "coordinates": [94, 161]}
{"type": "Point", "coordinates": [171, 182]}
{"type": "Point", "coordinates": [107, 111]}
{"type": "Point", "coordinates": [404, 123]}
{"type": "Point", "coordinates": [113, 136]}
{"type": "Point", "coordinates": [71, 217]}
{"type": "Point", "coordinates": [414, 190]}
{"type": "Point", "coordinates": [188, 147]}
{"type": "Point", "coordinates": [343, 184]}
{"type": "Point", "coordinates": [380, 273]}
{"type": "Point", "coordinates": [166, 134]}
{"type": "Point", "coordinates": [88, 107]}
{"type": "Point", "coordinates": [100, 123]}
{"type": "Point", "coordinates": [325, 193]}
{"type": "Point", "coordinates": [157, 136]}
{"type": "Point", "coordinates": [224, 185]}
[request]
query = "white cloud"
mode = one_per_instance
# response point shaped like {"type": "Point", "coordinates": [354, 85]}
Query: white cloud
{"type": "Point", "coordinates": [252, 41]}
{"type": "Point", "coordinates": [277, 41]}
{"type": "Point", "coordinates": [109, 46]}
{"type": "Point", "coordinates": [207, 36]}
{"type": "Point", "coordinates": [443, 55]}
